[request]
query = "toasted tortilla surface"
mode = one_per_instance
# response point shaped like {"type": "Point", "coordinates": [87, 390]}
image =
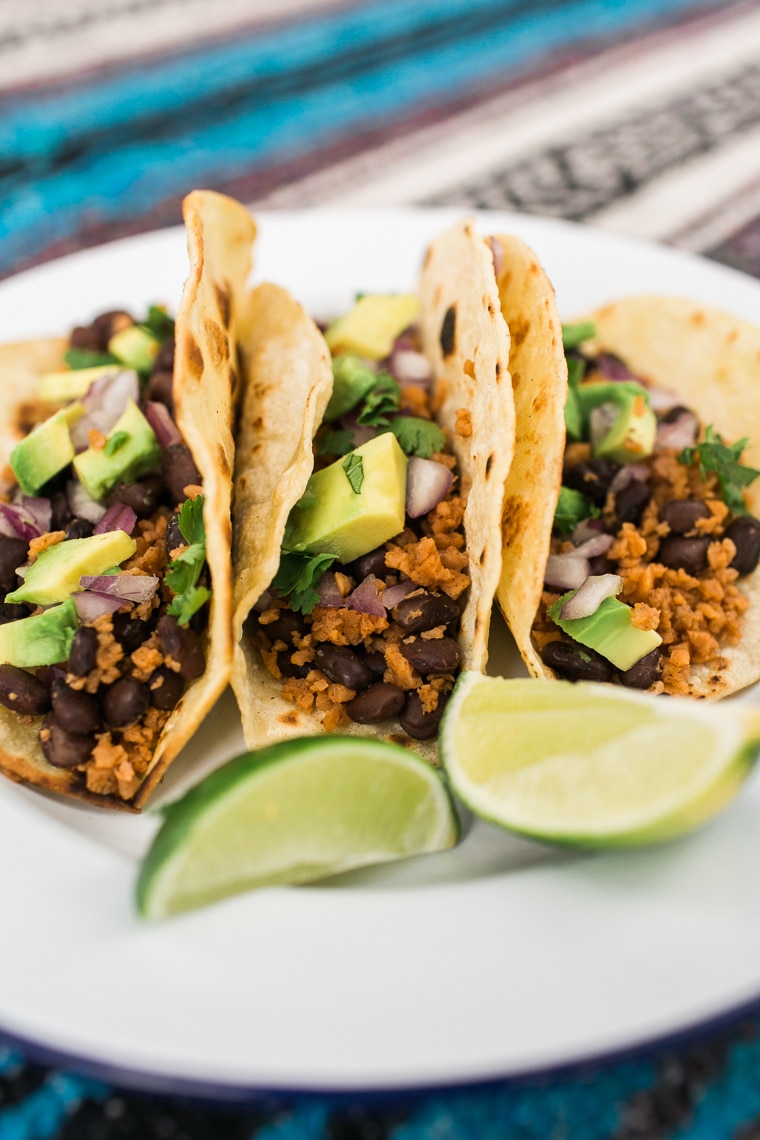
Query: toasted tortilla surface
{"type": "Point", "coordinates": [220, 235]}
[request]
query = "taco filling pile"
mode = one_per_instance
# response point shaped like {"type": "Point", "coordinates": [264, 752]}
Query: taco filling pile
{"type": "Point", "coordinates": [653, 549]}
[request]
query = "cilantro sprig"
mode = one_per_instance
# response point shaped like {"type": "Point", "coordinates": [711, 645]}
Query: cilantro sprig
{"type": "Point", "coordinates": [353, 465]}
{"type": "Point", "coordinates": [714, 454]}
{"type": "Point", "coordinates": [417, 436]}
{"type": "Point", "coordinates": [383, 399]}
{"type": "Point", "coordinates": [115, 441]}
{"type": "Point", "coordinates": [297, 577]}
{"type": "Point", "coordinates": [185, 569]}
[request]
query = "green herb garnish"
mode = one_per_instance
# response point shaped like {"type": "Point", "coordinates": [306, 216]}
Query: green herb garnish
{"type": "Point", "coordinates": [115, 441]}
{"type": "Point", "coordinates": [572, 508]}
{"type": "Point", "coordinates": [77, 358]}
{"type": "Point", "coordinates": [381, 401]}
{"type": "Point", "coordinates": [185, 569]}
{"type": "Point", "coordinates": [714, 454]}
{"type": "Point", "coordinates": [297, 576]}
{"type": "Point", "coordinates": [417, 436]}
{"type": "Point", "coordinates": [353, 466]}
{"type": "Point", "coordinates": [575, 335]}
{"type": "Point", "coordinates": [335, 442]}
{"type": "Point", "coordinates": [159, 323]}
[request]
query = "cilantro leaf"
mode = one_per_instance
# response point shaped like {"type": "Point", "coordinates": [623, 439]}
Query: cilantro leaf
{"type": "Point", "coordinates": [159, 322]}
{"type": "Point", "coordinates": [185, 570]}
{"type": "Point", "coordinates": [353, 465]}
{"type": "Point", "coordinates": [714, 454]}
{"type": "Point", "coordinates": [417, 436]}
{"type": "Point", "coordinates": [336, 442]}
{"type": "Point", "coordinates": [353, 379]}
{"type": "Point", "coordinates": [381, 401]}
{"type": "Point", "coordinates": [77, 358]}
{"type": "Point", "coordinates": [115, 441]}
{"type": "Point", "coordinates": [297, 576]}
{"type": "Point", "coordinates": [572, 508]}
{"type": "Point", "coordinates": [573, 335]}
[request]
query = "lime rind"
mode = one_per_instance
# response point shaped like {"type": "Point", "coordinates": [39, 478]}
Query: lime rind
{"type": "Point", "coordinates": [291, 813]}
{"type": "Point", "coordinates": [605, 794]}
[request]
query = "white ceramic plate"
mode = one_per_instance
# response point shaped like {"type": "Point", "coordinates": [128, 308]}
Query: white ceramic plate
{"type": "Point", "coordinates": [499, 958]}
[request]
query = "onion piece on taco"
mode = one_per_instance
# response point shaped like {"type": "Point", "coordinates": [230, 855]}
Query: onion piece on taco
{"type": "Point", "coordinates": [377, 473]}
{"type": "Point", "coordinates": [652, 577]}
{"type": "Point", "coordinates": [115, 530]}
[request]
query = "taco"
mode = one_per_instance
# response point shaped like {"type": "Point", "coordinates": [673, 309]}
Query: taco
{"type": "Point", "coordinates": [115, 530]}
{"type": "Point", "coordinates": [642, 568]}
{"type": "Point", "coordinates": [377, 475]}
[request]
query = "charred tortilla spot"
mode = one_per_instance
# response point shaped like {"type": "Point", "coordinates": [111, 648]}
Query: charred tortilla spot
{"type": "Point", "coordinates": [194, 356]}
{"type": "Point", "coordinates": [489, 464]}
{"type": "Point", "coordinates": [516, 378]}
{"type": "Point", "coordinates": [290, 717]}
{"type": "Point", "coordinates": [490, 308]}
{"type": "Point", "coordinates": [223, 301]}
{"type": "Point", "coordinates": [513, 518]}
{"type": "Point", "coordinates": [217, 342]}
{"type": "Point", "coordinates": [257, 424]}
{"type": "Point", "coordinates": [498, 371]}
{"type": "Point", "coordinates": [448, 331]}
{"type": "Point", "coordinates": [518, 330]}
{"type": "Point", "coordinates": [482, 557]}
{"type": "Point", "coordinates": [469, 369]}
{"type": "Point", "coordinates": [222, 456]}
{"type": "Point", "coordinates": [698, 318]}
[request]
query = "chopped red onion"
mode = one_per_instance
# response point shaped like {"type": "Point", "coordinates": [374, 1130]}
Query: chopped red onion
{"type": "Point", "coordinates": [497, 252]}
{"type": "Point", "coordinates": [612, 367]}
{"type": "Point", "coordinates": [128, 587]}
{"type": "Point", "coordinates": [600, 422]}
{"type": "Point", "coordinates": [590, 596]}
{"type": "Point", "coordinates": [159, 418]}
{"type": "Point", "coordinates": [586, 529]}
{"type": "Point", "coordinates": [660, 399]}
{"type": "Point", "coordinates": [628, 473]}
{"type": "Point", "coordinates": [90, 604]}
{"type": "Point", "coordinates": [411, 367]}
{"type": "Point", "coordinates": [565, 571]}
{"type": "Point", "coordinates": [597, 544]}
{"type": "Point", "coordinates": [392, 595]}
{"type": "Point", "coordinates": [360, 433]}
{"type": "Point", "coordinates": [117, 517]}
{"type": "Point", "coordinates": [427, 482]}
{"type": "Point", "coordinates": [16, 521]}
{"type": "Point", "coordinates": [106, 399]}
{"type": "Point", "coordinates": [81, 503]}
{"type": "Point", "coordinates": [329, 593]}
{"type": "Point", "coordinates": [366, 599]}
{"type": "Point", "coordinates": [40, 509]}
{"type": "Point", "coordinates": [681, 432]}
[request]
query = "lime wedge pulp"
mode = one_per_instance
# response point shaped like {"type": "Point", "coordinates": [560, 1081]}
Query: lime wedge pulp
{"type": "Point", "coordinates": [291, 813]}
{"type": "Point", "coordinates": [593, 765]}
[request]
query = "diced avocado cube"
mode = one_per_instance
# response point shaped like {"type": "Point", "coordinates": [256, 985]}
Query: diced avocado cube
{"type": "Point", "coordinates": [609, 631]}
{"type": "Point", "coordinates": [136, 347]}
{"type": "Point", "coordinates": [44, 639]}
{"type": "Point", "coordinates": [45, 451]}
{"type": "Point", "coordinates": [632, 432]}
{"type": "Point", "coordinates": [352, 380]}
{"type": "Point", "coordinates": [133, 450]}
{"type": "Point", "coordinates": [332, 518]}
{"type": "Point", "coordinates": [71, 383]}
{"type": "Point", "coordinates": [371, 327]}
{"type": "Point", "coordinates": [55, 574]}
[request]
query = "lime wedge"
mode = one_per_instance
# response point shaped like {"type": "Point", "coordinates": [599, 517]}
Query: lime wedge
{"type": "Point", "coordinates": [291, 813]}
{"type": "Point", "coordinates": [593, 765]}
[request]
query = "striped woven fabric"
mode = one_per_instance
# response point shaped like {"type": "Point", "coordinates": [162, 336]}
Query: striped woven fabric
{"type": "Point", "coordinates": [642, 116]}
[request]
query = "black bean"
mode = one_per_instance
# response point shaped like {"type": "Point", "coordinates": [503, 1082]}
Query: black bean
{"type": "Point", "coordinates": [290, 668]}
{"type": "Point", "coordinates": [13, 552]}
{"type": "Point", "coordinates": [378, 702]}
{"type": "Point", "coordinates": [174, 537]}
{"type": "Point", "coordinates": [681, 514]}
{"type": "Point", "coordinates": [182, 645]}
{"type": "Point", "coordinates": [84, 650]}
{"type": "Point", "coordinates": [142, 497]}
{"type": "Point", "coordinates": [64, 749]}
{"type": "Point", "coordinates": [601, 564]}
{"type": "Point", "coordinates": [164, 358]}
{"type": "Point", "coordinates": [179, 471]}
{"type": "Point", "coordinates": [96, 336]}
{"type": "Point", "coordinates": [645, 672]}
{"type": "Point", "coordinates": [574, 662]}
{"type": "Point", "coordinates": [375, 662]}
{"type": "Point", "coordinates": [425, 611]}
{"type": "Point", "coordinates": [592, 478]}
{"type": "Point", "coordinates": [343, 666]}
{"type": "Point", "coordinates": [13, 611]}
{"type": "Point", "coordinates": [744, 532]}
{"type": "Point", "coordinates": [436, 655]}
{"type": "Point", "coordinates": [630, 502]}
{"type": "Point", "coordinates": [23, 692]}
{"type": "Point", "coordinates": [130, 632]}
{"type": "Point", "coordinates": [372, 563]}
{"type": "Point", "coordinates": [416, 722]}
{"type": "Point", "coordinates": [61, 514]}
{"type": "Point", "coordinates": [680, 553]}
{"type": "Point", "coordinates": [160, 390]}
{"type": "Point", "coordinates": [75, 710]}
{"type": "Point", "coordinates": [287, 624]}
{"type": "Point", "coordinates": [165, 687]}
{"type": "Point", "coordinates": [79, 528]}
{"type": "Point", "coordinates": [124, 702]}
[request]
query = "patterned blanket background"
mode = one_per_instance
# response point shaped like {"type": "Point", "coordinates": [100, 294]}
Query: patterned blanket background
{"type": "Point", "coordinates": [637, 115]}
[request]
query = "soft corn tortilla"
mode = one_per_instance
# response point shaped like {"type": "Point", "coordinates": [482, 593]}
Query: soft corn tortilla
{"type": "Point", "coordinates": [712, 361]}
{"type": "Point", "coordinates": [288, 384]}
{"type": "Point", "coordinates": [220, 235]}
